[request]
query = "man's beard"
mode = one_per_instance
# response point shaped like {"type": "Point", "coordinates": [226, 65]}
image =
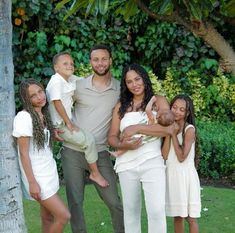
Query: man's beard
{"type": "Point", "coordinates": [103, 73]}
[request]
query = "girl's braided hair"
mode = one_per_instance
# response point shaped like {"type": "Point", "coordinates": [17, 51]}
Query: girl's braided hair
{"type": "Point", "coordinates": [39, 137]}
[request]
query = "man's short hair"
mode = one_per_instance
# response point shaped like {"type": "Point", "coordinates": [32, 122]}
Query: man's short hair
{"type": "Point", "coordinates": [101, 46]}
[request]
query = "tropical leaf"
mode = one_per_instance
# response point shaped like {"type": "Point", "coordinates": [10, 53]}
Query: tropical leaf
{"type": "Point", "coordinates": [61, 4]}
{"type": "Point", "coordinates": [166, 8]}
{"type": "Point", "coordinates": [103, 6]}
{"type": "Point", "coordinates": [75, 7]}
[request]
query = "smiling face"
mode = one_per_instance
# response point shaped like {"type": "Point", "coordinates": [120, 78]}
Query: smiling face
{"type": "Point", "coordinates": [179, 109]}
{"type": "Point", "coordinates": [100, 61]}
{"type": "Point", "coordinates": [64, 66]}
{"type": "Point", "coordinates": [37, 96]}
{"type": "Point", "coordinates": [134, 83]}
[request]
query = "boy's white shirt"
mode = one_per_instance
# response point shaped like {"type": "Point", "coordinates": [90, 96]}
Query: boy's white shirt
{"type": "Point", "coordinates": [60, 89]}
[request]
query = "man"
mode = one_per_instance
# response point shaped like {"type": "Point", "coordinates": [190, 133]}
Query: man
{"type": "Point", "coordinates": [95, 98]}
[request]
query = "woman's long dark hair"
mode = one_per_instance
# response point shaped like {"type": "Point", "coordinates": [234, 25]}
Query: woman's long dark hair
{"type": "Point", "coordinates": [190, 119]}
{"type": "Point", "coordinates": [38, 128]}
{"type": "Point", "coordinates": [126, 97]}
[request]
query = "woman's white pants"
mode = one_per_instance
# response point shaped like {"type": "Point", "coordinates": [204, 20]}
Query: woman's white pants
{"type": "Point", "coordinates": [149, 176]}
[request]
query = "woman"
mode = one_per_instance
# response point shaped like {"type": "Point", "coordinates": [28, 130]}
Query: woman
{"type": "Point", "coordinates": [142, 164]}
{"type": "Point", "coordinates": [33, 130]}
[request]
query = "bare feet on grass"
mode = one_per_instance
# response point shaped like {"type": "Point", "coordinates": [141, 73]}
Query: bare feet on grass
{"type": "Point", "coordinates": [99, 179]}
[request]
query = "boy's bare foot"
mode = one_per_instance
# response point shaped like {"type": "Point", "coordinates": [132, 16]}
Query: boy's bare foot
{"type": "Point", "coordinates": [99, 179]}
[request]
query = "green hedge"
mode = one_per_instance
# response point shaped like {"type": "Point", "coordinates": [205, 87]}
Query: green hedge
{"type": "Point", "coordinates": [217, 157]}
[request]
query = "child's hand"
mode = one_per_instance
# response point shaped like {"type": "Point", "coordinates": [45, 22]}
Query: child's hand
{"type": "Point", "coordinates": [176, 128]}
{"type": "Point", "coordinates": [72, 127]}
{"type": "Point", "coordinates": [35, 190]}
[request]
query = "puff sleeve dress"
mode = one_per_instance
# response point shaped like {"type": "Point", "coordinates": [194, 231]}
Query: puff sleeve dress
{"type": "Point", "coordinates": [42, 161]}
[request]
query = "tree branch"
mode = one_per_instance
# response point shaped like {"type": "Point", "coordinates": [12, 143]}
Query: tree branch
{"type": "Point", "coordinates": [173, 18]}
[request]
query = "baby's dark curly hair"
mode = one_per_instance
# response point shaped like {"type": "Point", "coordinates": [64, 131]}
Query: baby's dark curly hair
{"type": "Point", "coordinates": [126, 97]}
{"type": "Point", "coordinates": [38, 128]}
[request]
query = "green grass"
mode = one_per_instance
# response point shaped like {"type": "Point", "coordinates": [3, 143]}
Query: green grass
{"type": "Point", "coordinates": [219, 217]}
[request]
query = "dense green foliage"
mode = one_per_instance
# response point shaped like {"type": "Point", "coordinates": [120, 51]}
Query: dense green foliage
{"type": "Point", "coordinates": [217, 157]}
{"type": "Point", "coordinates": [177, 63]}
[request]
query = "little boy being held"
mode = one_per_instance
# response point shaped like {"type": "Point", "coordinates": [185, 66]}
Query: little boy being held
{"type": "Point", "coordinates": [60, 90]}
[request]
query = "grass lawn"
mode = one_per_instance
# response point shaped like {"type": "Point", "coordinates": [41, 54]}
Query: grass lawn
{"type": "Point", "coordinates": [218, 212]}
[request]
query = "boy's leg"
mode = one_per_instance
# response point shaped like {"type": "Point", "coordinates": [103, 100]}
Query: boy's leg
{"type": "Point", "coordinates": [91, 156]}
{"type": "Point", "coordinates": [85, 142]}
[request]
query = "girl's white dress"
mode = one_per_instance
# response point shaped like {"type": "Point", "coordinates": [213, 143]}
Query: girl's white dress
{"type": "Point", "coordinates": [42, 161]}
{"type": "Point", "coordinates": [182, 184]}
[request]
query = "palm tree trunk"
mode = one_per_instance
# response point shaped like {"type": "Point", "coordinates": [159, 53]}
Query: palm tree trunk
{"type": "Point", "coordinates": [11, 208]}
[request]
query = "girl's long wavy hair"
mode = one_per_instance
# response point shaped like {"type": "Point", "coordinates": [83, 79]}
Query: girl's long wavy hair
{"type": "Point", "coordinates": [39, 137]}
{"type": "Point", "coordinates": [126, 97]}
{"type": "Point", "coordinates": [190, 119]}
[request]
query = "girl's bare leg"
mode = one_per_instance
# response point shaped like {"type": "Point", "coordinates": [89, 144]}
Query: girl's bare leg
{"type": "Point", "coordinates": [179, 224]}
{"type": "Point", "coordinates": [193, 225]}
{"type": "Point", "coordinates": [54, 215]}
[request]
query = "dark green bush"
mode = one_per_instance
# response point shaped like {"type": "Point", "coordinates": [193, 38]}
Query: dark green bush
{"type": "Point", "coordinates": [217, 157]}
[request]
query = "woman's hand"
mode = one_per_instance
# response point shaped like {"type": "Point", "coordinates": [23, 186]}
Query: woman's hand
{"type": "Point", "coordinates": [130, 143]}
{"type": "Point", "coordinates": [129, 131]}
{"type": "Point", "coordinates": [35, 190]}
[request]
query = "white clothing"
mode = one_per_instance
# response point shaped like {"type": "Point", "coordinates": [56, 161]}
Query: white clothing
{"type": "Point", "coordinates": [43, 165]}
{"type": "Point", "coordinates": [137, 169]}
{"type": "Point", "coordinates": [132, 158]}
{"type": "Point", "coordinates": [182, 184]}
{"type": "Point", "coordinates": [60, 89]}
{"type": "Point", "coordinates": [152, 180]}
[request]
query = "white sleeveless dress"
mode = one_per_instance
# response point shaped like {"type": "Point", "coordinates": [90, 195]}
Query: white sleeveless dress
{"type": "Point", "coordinates": [151, 147]}
{"type": "Point", "coordinates": [42, 161]}
{"type": "Point", "coordinates": [182, 184]}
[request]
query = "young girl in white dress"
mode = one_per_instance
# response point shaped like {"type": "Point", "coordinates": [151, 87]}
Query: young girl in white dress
{"type": "Point", "coordinates": [182, 182]}
{"type": "Point", "coordinates": [33, 131]}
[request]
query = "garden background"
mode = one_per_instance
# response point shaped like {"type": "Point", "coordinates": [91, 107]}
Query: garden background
{"type": "Point", "coordinates": [177, 62]}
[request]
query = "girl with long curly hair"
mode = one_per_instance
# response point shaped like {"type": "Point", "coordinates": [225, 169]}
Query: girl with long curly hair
{"type": "Point", "coordinates": [142, 165]}
{"type": "Point", "coordinates": [33, 132]}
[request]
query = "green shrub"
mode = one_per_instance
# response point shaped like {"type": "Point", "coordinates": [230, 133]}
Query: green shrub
{"type": "Point", "coordinates": [217, 157]}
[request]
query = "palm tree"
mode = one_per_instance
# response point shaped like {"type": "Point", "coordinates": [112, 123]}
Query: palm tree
{"type": "Point", "coordinates": [11, 208]}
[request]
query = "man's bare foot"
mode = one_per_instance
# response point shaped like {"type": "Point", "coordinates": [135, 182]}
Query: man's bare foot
{"type": "Point", "coordinates": [99, 179]}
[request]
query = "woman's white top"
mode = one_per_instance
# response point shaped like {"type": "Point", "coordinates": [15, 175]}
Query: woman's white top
{"type": "Point", "coordinates": [42, 161]}
{"type": "Point", "coordinates": [150, 149]}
